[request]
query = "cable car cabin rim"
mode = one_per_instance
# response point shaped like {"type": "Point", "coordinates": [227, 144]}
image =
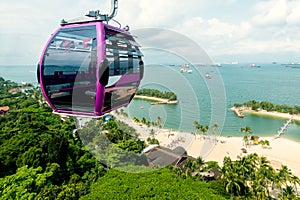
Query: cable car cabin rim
{"type": "Point", "coordinates": [63, 114]}
{"type": "Point", "coordinates": [100, 27]}
{"type": "Point", "coordinates": [84, 21]}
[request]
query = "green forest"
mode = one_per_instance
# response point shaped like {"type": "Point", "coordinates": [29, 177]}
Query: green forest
{"type": "Point", "coordinates": [43, 156]}
{"type": "Point", "coordinates": [268, 106]}
{"type": "Point", "coordinates": [156, 93]}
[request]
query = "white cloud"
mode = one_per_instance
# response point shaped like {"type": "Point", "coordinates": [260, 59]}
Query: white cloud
{"type": "Point", "coordinates": [272, 12]}
{"type": "Point", "coordinates": [26, 26]}
{"type": "Point", "coordinates": [277, 12]}
{"type": "Point", "coordinates": [216, 36]}
{"type": "Point", "coordinates": [267, 26]}
{"type": "Point", "coordinates": [293, 16]}
{"type": "Point", "coordinates": [155, 13]}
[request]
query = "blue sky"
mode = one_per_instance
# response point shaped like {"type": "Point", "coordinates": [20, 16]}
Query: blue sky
{"type": "Point", "coordinates": [228, 30]}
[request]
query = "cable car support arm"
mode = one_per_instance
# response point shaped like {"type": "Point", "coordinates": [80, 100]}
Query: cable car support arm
{"type": "Point", "coordinates": [105, 17]}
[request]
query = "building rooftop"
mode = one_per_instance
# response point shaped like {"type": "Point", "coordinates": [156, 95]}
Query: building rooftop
{"type": "Point", "coordinates": [4, 108]}
{"type": "Point", "coordinates": [162, 156]}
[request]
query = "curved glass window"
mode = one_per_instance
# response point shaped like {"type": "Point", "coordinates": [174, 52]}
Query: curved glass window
{"type": "Point", "coordinates": [69, 69]}
{"type": "Point", "coordinates": [124, 56]}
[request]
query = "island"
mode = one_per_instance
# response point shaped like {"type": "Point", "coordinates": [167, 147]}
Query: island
{"type": "Point", "coordinates": [157, 97]}
{"type": "Point", "coordinates": [266, 108]}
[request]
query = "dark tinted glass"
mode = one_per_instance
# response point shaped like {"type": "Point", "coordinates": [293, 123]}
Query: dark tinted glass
{"type": "Point", "coordinates": [124, 57]}
{"type": "Point", "coordinates": [69, 69]}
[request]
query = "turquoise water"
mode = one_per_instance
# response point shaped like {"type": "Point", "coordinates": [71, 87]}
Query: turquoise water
{"type": "Point", "coordinates": [272, 82]}
{"type": "Point", "coordinates": [19, 73]}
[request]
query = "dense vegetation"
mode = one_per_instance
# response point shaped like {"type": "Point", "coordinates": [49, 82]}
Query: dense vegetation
{"type": "Point", "coordinates": [159, 184]}
{"type": "Point", "coordinates": [156, 93]}
{"type": "Point", "coordinates": [44, 157]}
{"type": "Point", "coordinates": [39, 155]}
{"type": "Point", "coordinates": [268, 106]}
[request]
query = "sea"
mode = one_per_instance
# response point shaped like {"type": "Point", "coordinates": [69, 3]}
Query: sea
{"type": "Point", "coordinates": [207, 93]}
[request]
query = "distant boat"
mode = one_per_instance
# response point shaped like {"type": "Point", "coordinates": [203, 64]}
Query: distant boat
{"type": "Point", "coordinates": [184, 69]}
{"type": "Point", "coordinates": [254, 65]}
{"type": "Point", "coordinates": [208, 76]}
{"type": "Point", "coordinates": [216, 65]}
{"type": "Point", "coordinates": [293, 65]}
{"type": "Point", "coordinates": [184, 66]}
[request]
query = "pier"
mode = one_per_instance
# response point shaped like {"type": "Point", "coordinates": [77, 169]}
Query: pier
{"type": "Point", "coordinates": [238, 112]}
{"type": "Point", "coordinates": [284, 128]}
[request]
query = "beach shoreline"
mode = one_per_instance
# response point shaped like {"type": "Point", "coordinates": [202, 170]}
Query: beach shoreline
{"type": "Point", "coordinates": [149, 98]}
{"type": "Point", "coordinates": [281, 151]}
{"type": "Point", "coordinates": [156, 99]}
{"type": "Point", "coordinates": [241, 110]}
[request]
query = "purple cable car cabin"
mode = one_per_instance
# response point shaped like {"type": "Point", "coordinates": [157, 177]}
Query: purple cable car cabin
{"type": "Point", "coordinates": [90, 68]}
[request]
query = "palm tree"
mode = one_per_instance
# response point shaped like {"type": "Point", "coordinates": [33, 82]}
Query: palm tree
{"type": "Point", "coordinates": [267, 142]}
{"type": "Point", "coordinates": [214, 132]}
{"type": "Point", "coordinates": [177, 171]}
{"type": "Point", "coordinates": [189, 168]}
{"type": "Point", "coordinates": [265, 173]}
{"type": "Point", "coordinates": [200, 163]}
{"type": "Point", "coordinates": [284, 176]}
{"type": "Point", "coordinates": [295, 181]}
{"type": "Point", "coordinates": [243, 168]}
{"type": "Point", "coordinates": [288, 193]}
{"type": "Point", "coordinates": [246, 140]}
{"type": "Point", "coordinates": [201, 128]}
{"type": "Point", "coordinates": [262, 143]}
{"type": "Point", "coordinates": [158, 121]}
{"type": "Point", "coordinates": [232, 180]}
{"type": "Point", "coordinates": [246, 129]}
{"type": "Point", "coordinates": [152, 134]}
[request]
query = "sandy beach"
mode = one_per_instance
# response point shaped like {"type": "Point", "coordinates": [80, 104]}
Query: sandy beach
{"type": "Point", "coordinates": [150, 98]}
{"type": "Point", "coordinates": [240, 110]}
{"type": "Point", "coordinates": [156, 100]}
{"type": "Point", "coordinates": [214, 148]}
{"type": "Point", "coordinates": [281, 151]}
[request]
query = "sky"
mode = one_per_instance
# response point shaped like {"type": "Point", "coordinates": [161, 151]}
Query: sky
{"type": "Point", "coordinates": [227, 30]}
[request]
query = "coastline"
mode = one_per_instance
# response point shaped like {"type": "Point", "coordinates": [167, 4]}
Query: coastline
{"type": "Point", "coordinates": [156, 99]}
{"type": "Point", "coordinates": [241, 110]}
{"type": "Point", "coordinates": [282, 151]}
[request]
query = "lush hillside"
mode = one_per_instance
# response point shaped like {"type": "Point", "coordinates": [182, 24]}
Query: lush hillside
{"type": "Point", "coordinates": [44, 157]}
{"type": "Point", "coordinates": [159, 184]}
{"type": "Point", "coordinates": [41, 157]}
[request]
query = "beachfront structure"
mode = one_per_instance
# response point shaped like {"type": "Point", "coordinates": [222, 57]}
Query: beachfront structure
{"type": "Point", "coordinates": [284, 127]}
{"type": "Point", "coordinates": [89, 67]}
{"type": "Point", "coordinates": [4, 110]}
{"type": "Point", "coordinates": [162, 156]}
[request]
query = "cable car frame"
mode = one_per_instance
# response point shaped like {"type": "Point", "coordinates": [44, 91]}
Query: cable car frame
{"type": "Point", "coordinates": [89, 67]}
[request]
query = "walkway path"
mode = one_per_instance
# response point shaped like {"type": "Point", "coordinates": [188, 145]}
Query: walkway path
{"type": "Point", "coordinates": [284, 128]}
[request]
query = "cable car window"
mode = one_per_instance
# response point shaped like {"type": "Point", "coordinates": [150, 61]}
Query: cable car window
{"type": "Point", "coordinates": [124, 69]}
{"type": "Point", "coordinates": [70, 64]}
{"type": "Point", "coordinates": [122, 52]}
